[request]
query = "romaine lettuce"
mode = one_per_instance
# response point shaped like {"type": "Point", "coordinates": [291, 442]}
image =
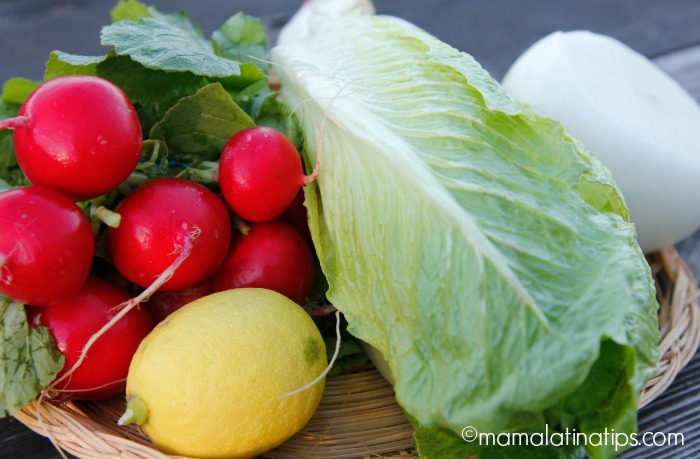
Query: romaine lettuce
{"type": "Point", "coordinates": [480, 248]}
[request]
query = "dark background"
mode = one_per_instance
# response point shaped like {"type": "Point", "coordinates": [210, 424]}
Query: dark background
{"type": "Point", "coordinates": [495, 32]}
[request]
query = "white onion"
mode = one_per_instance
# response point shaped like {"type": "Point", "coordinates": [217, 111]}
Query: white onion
{"type": "Point", "coordinates": [632, 116]}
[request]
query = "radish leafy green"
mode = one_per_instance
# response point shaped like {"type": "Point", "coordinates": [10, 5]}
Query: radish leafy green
{"type": "Point", "coordinates": [158, 59]}
{"type": "Point", "coordinates": [171, 43]}
{"type": "Point", "coordinates": [482, 250]}
{"type": "Point", "coordinates": [191, 93]}
{"type": "Point", "coordinates": [28, 359]}
{"type": "Point", "coordinates": [14, 91]}
{"type": "Point", "coordinates": [185, 129]}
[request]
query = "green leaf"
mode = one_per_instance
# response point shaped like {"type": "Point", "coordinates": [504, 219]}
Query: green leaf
{"type": "Point", "coordinates": [143, 85]}
{"type": "Point", "coordinates": [252, 97]}
{"type": "Point", "coordinates": [170, 43]}
{"type": "Point", "coordinates": [438, 443]}
{"type": "Point", "coordinates": [198, 126]}
{"type": "Point", "coordinates": [274, 114]}
{"type": "Point", "coordinates": [261, 103]}
{"type": "Point", "coordinates": [147, 86]}
{"type": "Point", "coordinates": [243, 39]}
{"type": "Point", "coordinates": [9, 168]}
{"type": "Point", "coordinates": [129, 10]}
{"type": "Point", "coordinates": [605, 400]}
{"type": "Point", "coordinates": [350, 356]}
{"type": "Point", "coordinates": [63, 64]}
{"type": "Point", "coordinates": [7, 110]}
{"type": "Point", "coordinates": [10, 172]}
{"type": "Point", "coordinates": [154, 159]}
{"type": "Point", "coordinates": [480, 249]}
{"type": "Point", "coordinates": [29, 360]}
{"type": "Point", "coordinates": [16, 90]}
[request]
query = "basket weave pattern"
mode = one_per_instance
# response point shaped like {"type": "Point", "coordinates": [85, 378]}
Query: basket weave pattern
{"type": "Point", "coordinates": [358, 416]}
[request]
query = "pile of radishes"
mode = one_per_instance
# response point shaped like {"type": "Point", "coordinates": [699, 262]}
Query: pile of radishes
{"type": "Point", "coordinates": [169, 240]}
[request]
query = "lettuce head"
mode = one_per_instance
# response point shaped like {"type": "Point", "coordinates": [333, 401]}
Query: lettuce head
{"type": "Point", "coordinates": [480, 248]}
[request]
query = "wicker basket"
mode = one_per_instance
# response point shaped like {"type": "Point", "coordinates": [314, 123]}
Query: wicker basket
{"type": "Point", "coordinates": [358, 416]}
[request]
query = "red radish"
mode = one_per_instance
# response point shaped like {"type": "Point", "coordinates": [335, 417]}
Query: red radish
{"type": "Point", "coordinates": [260, 173]}
{"type": "Point", "coordinates": [156, 218]}
{"type": "Point", "coordinates": [297, 216]}
{"type": "Point", "coordinates": [161, 304]}
{"type": "Point", "coordinates": [272, 255]}
{"type": "Point", "coordinates": [77, 134]}
{"type": "Point", "coordinates": [46, 245]}
{"type": "Point", "coordinates": [72, 323]}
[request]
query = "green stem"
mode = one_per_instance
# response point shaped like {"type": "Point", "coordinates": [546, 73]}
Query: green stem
{"type": "Point", "coordinates": [110, 218]}
{"type": "Point", "coordinates": [136, 412]}
{"type": "Point", "coordinates": [242, 226]}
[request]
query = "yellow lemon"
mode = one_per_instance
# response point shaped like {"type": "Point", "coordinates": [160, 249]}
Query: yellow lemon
{"type": "Point", "coordinates": [214, 379]}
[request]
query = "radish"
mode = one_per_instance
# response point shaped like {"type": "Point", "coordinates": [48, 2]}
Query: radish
{"type": "Point", "coordinates": [73, 321]}
{"type": "Point", "coordinates": [272, 255]}
{"type": "Point", "coordinates": [46, 245]}
{"type": "Point", "coordinates": [156, 218]}
{"type": "Point", "coordinates": [297, 216]}
{"type": "Point", "coordinates": [161, 304]}
{"type": "Point", "coordinates": [260, 173]}
{"type": "Point", "coordinates": [77, 134]}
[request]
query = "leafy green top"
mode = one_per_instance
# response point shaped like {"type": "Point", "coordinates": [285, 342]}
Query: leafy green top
{"type": "Point", "coordinates": [191, 93]}
{"type": "Point", "coordinates": [28, 358]}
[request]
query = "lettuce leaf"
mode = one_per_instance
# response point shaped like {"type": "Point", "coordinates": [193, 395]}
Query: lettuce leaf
{"type": "Point", "coordinates": [482, 250]}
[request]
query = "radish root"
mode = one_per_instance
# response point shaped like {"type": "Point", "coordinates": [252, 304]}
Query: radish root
{"type": "Point", "coordinates": [319, 149]}
{"type": "Point", "coordinates": [189, 234]}
{"type": "Point", "coordinates": [187, 243]}
{"type": "Point", "coordinates": [5, 272]}
{"type": "Point", "coordinates": [330, 364]}
{"type": "Point", "coordinates": [319, 146]}
{"type": "Point", "coordinates": [15, 123]}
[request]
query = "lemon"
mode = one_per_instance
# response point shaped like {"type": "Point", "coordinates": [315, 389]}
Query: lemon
{"type": "Point", "coordinates": [213, 380]}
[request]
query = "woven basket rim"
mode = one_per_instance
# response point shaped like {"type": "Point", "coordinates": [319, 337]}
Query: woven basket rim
{"type": "Point", "coordinates": [679, 320]}
{"type": "Point", "coordinates": [358, 416]}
